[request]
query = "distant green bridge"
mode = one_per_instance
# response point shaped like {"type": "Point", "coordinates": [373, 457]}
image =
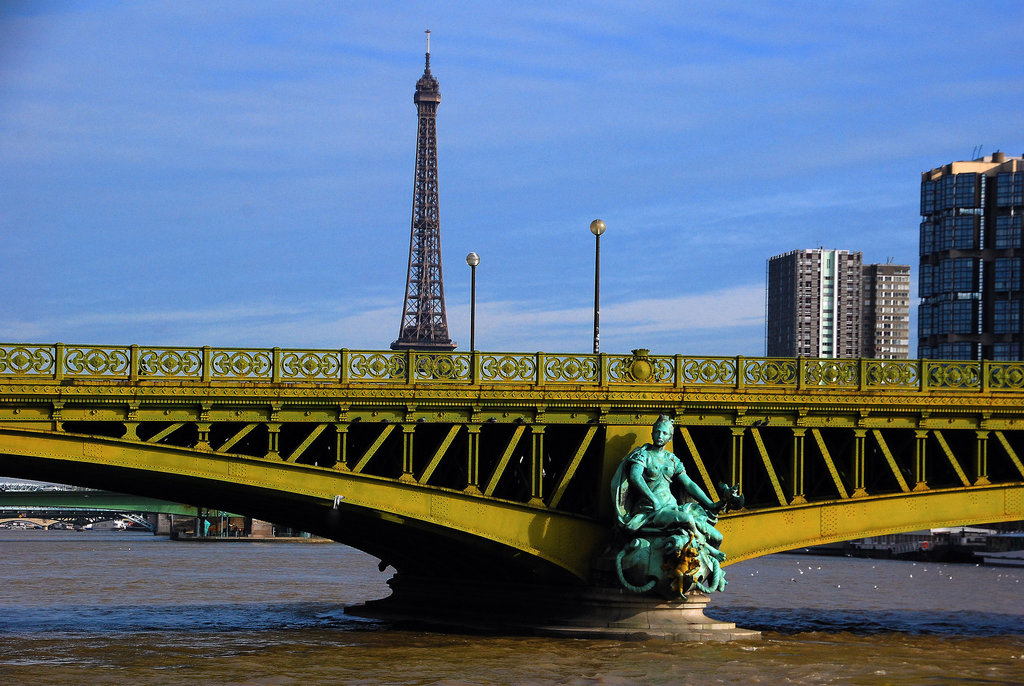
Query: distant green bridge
{"type": "Point", "coordinates": [61, 504]}
{"type": "Point", "coordinates": [497, 465]}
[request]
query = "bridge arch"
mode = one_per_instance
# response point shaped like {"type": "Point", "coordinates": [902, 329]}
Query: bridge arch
{"type": "Point", "coordinates": [435, 532]}
{"type": "Point", "coordinates": [759, 532]}
{"type": "Point", "coordinates": [426, 531]}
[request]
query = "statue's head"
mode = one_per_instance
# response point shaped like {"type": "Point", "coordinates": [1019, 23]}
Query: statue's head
{"type": "Point", "coordinates": [662, 430]}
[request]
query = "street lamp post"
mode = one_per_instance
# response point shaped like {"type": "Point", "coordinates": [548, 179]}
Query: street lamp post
{"type": "Point", "coordinates": [597, 227]}
{"type": "Point", "coordinates": [472, 259]}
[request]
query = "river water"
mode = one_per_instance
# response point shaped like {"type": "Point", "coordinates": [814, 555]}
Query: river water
{"type": "Point", "coordinates": [131, 608]}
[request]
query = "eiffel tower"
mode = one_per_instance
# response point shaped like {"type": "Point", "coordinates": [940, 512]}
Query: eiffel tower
{"type": "Point", "coordinates": [424, 322]}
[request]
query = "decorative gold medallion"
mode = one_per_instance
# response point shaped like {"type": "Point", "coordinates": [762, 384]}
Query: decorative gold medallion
{"type": "Point", "coordinates": [641, 368]}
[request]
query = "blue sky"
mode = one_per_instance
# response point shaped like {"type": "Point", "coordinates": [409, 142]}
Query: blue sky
{"type": "Point", "coordinates": [240, 174]}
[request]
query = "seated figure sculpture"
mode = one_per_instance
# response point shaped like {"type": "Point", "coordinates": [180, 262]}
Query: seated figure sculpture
{"type": "Point", "coordinates": [673, 543]}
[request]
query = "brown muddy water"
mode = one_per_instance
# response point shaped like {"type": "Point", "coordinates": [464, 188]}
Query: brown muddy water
{"type": "Point", "coordinates": [131, 608]}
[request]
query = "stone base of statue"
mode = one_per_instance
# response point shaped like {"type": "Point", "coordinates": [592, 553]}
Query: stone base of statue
{"type": "Point", "coordinates": [606, 613]}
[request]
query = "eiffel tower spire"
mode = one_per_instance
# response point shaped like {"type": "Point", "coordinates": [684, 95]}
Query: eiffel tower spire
{"type": "Point", "coordinates": [424, 322]}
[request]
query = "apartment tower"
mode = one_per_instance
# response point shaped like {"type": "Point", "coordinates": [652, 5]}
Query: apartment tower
{"type": "Point", "coordinates": [814, 304]}
{"type": "Point", "coordinates": [886, 314]}
{"type": "Point", "coordinates": [971, 254]}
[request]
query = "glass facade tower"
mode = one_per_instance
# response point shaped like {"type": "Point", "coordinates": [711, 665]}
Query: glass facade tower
{"type": "Point", "coordinates": [971, 254]}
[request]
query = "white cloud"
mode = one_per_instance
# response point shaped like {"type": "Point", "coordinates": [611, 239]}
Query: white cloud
{"type": "Point", "coordinates": [667, 325]}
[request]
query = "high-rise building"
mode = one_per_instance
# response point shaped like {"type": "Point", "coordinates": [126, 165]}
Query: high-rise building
{"type": "Point", "coordinates": [971, 253]}
{"type": "Point", "coordinates": [886, 313]}
{"type": "Point", "coordinates": [826, 303]}
{"type": "Point", "coordinates": [814, 304]}
{"type": "Point", "coordinates": [424, 322]}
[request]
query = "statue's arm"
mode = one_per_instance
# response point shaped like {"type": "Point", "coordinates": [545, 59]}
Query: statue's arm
{"type": "Point", "coordinates": [635, 476]}
{"type": "Point", "coordinates": [698, 494]}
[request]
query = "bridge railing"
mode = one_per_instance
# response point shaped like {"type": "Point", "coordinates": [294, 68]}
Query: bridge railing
{"type": "Point", "coordinates": [278, 365]}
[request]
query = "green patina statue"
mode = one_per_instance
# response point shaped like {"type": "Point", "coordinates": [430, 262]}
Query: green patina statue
{"type": "Point", "coordinates": [669, 543]}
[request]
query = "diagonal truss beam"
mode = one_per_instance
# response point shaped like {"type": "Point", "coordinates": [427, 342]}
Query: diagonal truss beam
{"type": "Point", "coordinates": [692, 447]}
{"type": "Point", "coordinates": [165, 432]}
{"type": "Point", "coordinates": [951, 457]}
{"type": "Point", "coordinates": [759, 442]}
{"type": "Point", "coordinates": [891, 460]}
{"type": "Point", "coordinates": [242, 433]}
{"type": "Point", "coordinates": [1010, 451]}
{"type": "Point", "coordinates": [829, 463]}
{"type": "Point", "coordinates": [499, 468]}
{"type": "Point", "coordinates": [317, 430]}
{"type": "Point", "coordinates": [570, 470]}
{"type": "Point", "coordinates": [361, 464]}
{"type": "Point", "coordinates": [435, 459]}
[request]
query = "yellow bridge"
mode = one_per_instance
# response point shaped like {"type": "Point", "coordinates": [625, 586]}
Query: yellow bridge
{"type": "Point", "coordinates": [476, 464]}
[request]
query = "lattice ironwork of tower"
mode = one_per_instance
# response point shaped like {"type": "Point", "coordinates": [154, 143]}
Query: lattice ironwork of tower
{"type": "Point", "coordinates": [424, 322]}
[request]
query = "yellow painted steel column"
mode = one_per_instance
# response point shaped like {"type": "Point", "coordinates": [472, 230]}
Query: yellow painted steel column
{"type": "Point", "coordinates": [131, 431]}
{"type": "Point", "coordinates": [204, 435]}
{"type": "Point", "coordinates": [273, 436]}
{"type": "Point", "coordinates": [341, 446]}
{"type": "Point", "coordinates": [796, 468]}
{"type": "Point", "coordinates": [920, 460]}
{"type": "Point", "coordinates": [857, 463]}
{"type": "Point", "coordinates": [57, 416]}
{"type": "Point", "coordinates": [203, 425]}
{"type": "Point", "coordinates": [537, 464]}
{"type": "Point", "coordinates": [131, 426]}
{"type": "Point", "coordinates": [408, 433]}
{"type": "Point", "coordinates": [981, 458]}
{"type": "Point", "coordinates": [473, 459]}
{"type": "Point", "coordinates": [736, 461]}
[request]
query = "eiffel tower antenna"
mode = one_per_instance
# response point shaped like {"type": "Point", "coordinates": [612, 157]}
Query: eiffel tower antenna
{"type": "Point", "coordinates": [424, 322]}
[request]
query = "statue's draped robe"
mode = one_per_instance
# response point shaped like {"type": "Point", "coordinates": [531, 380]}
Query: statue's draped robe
{"type": "Point", "coordinates": [634, 510]}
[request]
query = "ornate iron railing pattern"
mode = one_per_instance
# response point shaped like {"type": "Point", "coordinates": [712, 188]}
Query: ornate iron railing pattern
{"type": "Point", "coordinates": [26, 360]}
{"type": "Point", "coordinates": [277, 365]}
{"type": "Point", "coordinates": [768, 372]}
{"type": "Point", "coordinates": [170, 363]}
{"type": "Point", "coordinates": [893, 374]}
